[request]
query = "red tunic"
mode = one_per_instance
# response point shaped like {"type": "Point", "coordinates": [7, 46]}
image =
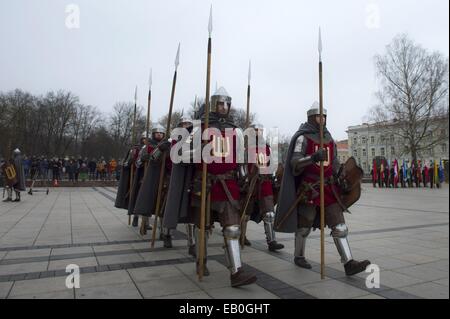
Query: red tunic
{"type": "Point", "coordinates": [311, 174]}
{"type": "Point", "coordinates": [224, 161]}
{"type": "Point", "coordinates": [258, 157]}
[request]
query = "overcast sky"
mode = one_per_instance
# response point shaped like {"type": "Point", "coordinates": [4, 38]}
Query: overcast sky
{"type": "Point", "coordinates": [118, 41]}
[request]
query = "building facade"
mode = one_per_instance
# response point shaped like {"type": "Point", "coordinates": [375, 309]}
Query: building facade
{"type": "Point", "coordinates": [367, 141]}
{"type": "Point", "coordinates": [342, 151]}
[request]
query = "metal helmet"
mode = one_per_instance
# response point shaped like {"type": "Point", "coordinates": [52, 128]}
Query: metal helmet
{"type": "Point", "coordinates": [144, 134]}
{"type": "Point", "coordinates": [221, 95]}
{"type": "Point", "coordinates": [315, 110]}
{"type": "Point", "coordinates": [185, 119]}
{"type": "Point", "coordinates": [257, 126]}
{"type": "Point", "coordinates": [158, 129]}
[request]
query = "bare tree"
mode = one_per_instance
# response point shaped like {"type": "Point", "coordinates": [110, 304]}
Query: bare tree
{"type": "Point", "coordinates": [413, 93]}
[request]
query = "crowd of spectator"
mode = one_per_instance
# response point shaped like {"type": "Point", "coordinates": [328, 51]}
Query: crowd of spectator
{"type": "Point", "coordinates": [71, 169]}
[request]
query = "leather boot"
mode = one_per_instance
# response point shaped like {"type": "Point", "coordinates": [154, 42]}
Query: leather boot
{"type": "Point", "coordinates": [354, 267]}
{"type": "Point", "coordinates": [242, 278]}
{"type": "Point", "coordinates": [302, 262]}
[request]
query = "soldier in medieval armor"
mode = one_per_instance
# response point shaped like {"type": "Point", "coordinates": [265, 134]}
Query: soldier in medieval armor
{"type": "Point", "coordinates": [301, 181]}
{"type": "Point", "coordinates": [260, 195]}
{"type": "Point", "coordinates": [14, 175]}
{"type": "Point", "coordinates": [146, 160]}
{"type": "Point", "coordinates": [223, 188]}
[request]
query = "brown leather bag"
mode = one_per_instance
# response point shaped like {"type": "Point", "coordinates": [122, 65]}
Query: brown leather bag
{"type": "Point", "coordinates": [351, 176]}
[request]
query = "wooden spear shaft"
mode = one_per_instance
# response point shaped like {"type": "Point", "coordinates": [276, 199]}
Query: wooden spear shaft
{"type": "Point", "coordinates": [322, 197]}
{"type": "Point", "coordinates": [201, 256]}
{"type": "Point", "coordinates": [163, 162]}
{"type": "Point", "coordinates": [133, 132]}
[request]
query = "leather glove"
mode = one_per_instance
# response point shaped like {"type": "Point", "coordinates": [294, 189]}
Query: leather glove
{"type": "Point", "coordinates": [164, 146]}
{"type": "Point", "coordinates": [320, 156]}
{"type": "Point", "coordinates": [145, 157]}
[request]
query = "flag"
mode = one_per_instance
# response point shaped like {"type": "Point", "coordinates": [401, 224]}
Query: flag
{"type": "Point", "coordinates": [405, 177]}
{"type": "Point", "coordinates": [395, 172]}
{"type": "Point", "coordinates": [374, 168]}
{"type": "Point", "coordinates": [436, 172]}
{"type": "Point", "coordinates": [441, 172]}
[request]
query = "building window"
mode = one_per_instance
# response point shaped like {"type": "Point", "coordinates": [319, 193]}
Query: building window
{"type": "Point", "coordinates": [373, 152]}
{"type": "Point", "coordinates": [364, 153]}
{"type": "Point", "coordinates": [355, 153]}
{"type": "Point", "coordinates": [392, 150]}
{"type": "Point", "coordinates": [365, 166]}
{"type": "Point", "coordinates": [382, 151]}
{"type": "Point", "coordinates": [444, 148]}
{"type": "Point", "coordinates": [372, 140]}
{"type": "Point", "coordinates": [392, 139]}
{"type": "Point", "coordinates": [363, 140]}
{"type": "Point", "coordinates": [355, 140]}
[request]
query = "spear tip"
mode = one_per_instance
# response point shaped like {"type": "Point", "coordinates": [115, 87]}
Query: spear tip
{"type": "Point", "coordinates": [320, 42]}
{"type": "Point", "coordinates": [210, 23]}
{"type": "Point", "coordinates": [249, 71]}
{"type": "Point", "coordinates": [177, 58]}
{"type": "Point", "coordinates": [150, 79]}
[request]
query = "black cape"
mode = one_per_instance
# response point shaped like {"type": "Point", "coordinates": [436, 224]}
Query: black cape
{"type": "Point", "coordinates": [288, 190]}
{"type": "Point", "coordinates": [20, 173]}
{"type": "Point", "coordinates": [148, 192]}
{"type": "Point", "coordinates": [122, 196]}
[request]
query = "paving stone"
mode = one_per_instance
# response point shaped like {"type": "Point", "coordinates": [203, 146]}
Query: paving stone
{"type": "Point", "coordinates": [118, 259]}
{"type": "Point", "coordinates": [50, 295]}
{"type": "Point", "coordinates": [80, 262]}
{"type": "Point", "coordinates": [152, 273]}
{"type": "Point", "coordinates": [332, 289]}
{"type": "Point", "coordinates": [28, 253]}
{"type": "Point", "coordinates": [166, 286]}
{"type": "Point", "coordinates": [5, 287]}
{"type": "Point", "coordinates": [39, 286]}
{"type": "Point", "coordinates": [428, 290]}
{"type": "Point", "coordinates": [246, 292]}
{"type": "Point", "coordinates": [113, 291]}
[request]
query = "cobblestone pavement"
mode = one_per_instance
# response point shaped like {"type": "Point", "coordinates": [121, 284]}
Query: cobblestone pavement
{"type": "Point", "coordinates": [403, 231]}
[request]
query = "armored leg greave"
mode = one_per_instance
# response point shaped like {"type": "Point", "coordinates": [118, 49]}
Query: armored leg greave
{"type": "Point", "coordinates": [268, 220]}
{"type": "Point", "coordinates": [190, 228]}
{"type": "Point", "coordinates": [339, 233]}
{"type": "Point", "coordinates": [300, 241]}
{"type": "Point", "coordinates": [231, 236]}
{"type": "Point", "coordinates": [167, 237]}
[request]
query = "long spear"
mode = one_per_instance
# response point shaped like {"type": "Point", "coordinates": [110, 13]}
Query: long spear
{"type": "Point", "coordinates": [149, 102]}
{"type": "Point", "coordinates": [133, 136]}
{"type": "Point", "coordinates": [163, 161]}
{"type": "Point", "coordinates": [204, 166]}
{"type": "Point", "coordinates": [247, 119]}
{"type": "Point", "coordinates": [253, 181]}
{"type": "Point", "coordinates": [322, 197]}
{"type": "Point", "coordinates": [147, 129]}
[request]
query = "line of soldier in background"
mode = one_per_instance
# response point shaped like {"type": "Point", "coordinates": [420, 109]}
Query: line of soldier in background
{"type": "Point", "coordinates": [387, 175]}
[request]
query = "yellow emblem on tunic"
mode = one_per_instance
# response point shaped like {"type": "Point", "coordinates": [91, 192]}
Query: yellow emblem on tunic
{"type": "Point", "coordinates": [221, 146]}
{"type": "Point", "coordinates": [327, 162]}
{"type": "Point", "coordinates": [261, 160]}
